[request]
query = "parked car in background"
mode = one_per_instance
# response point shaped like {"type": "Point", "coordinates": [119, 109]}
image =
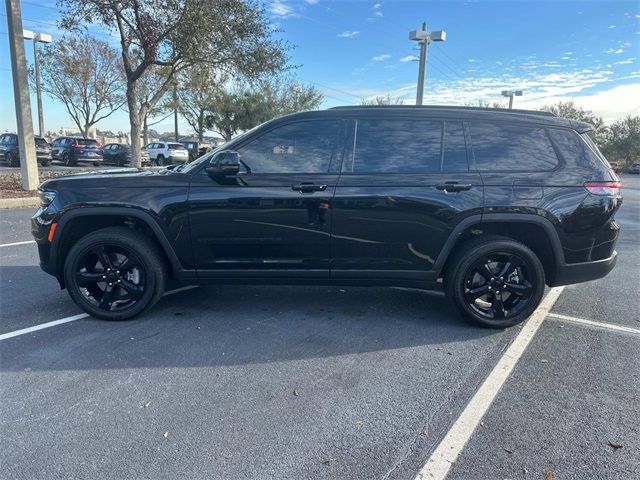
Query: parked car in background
{"type": "Point", "coordinates": [120, 154]}
{"type": "Point", "coordinates": [491, 205]}
{"type": "Point", "coordinates": [71, 150]}
{"type": "Point", "coordinates": [635, 168]}
{"type": "Point", "coordinates": [10, 153]}
{"type": "Point", "coordinates": [195, 149]}
{"type": "Point", "coordinates": [165, 153]}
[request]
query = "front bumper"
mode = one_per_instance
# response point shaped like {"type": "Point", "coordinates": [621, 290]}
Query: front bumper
{"type": "Point", "coordinates": [583, 272]}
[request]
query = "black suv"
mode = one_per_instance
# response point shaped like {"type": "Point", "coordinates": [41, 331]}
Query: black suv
{"type": "Point", "coordinates": [10, 151]}
{"type": "Point", "coordinates": [71, 150]}
{"type": "Point", "coordinates": [490, 205]}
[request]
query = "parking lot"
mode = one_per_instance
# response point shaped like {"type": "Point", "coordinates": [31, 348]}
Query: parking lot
{"type": "Point", "coordinates": [318, 382]}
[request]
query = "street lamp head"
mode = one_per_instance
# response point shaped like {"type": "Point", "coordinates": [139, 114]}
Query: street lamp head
{"type": "Point", "coordinates": [506, 93]}
{"type": "Point", "coordinates": [28, 34]}
{"type": "Point", "coordinates": [418, 35]}
{"type": "Point", "coordinates": [518, 93]}
{"type": "Point", "coordinates": [438, 36]}
{"type": "Point", "coordinates": [43, 37]}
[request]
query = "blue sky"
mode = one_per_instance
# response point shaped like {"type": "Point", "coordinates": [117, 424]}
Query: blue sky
{"type": "Point", "coordinates": [553, 50]}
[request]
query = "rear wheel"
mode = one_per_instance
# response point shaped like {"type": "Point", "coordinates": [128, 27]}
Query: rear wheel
{"type": "Point", "coordinates": [45, 163]}
{"type": "Point", "coordinates": [495, 281]}
{"type": "Point", "coordinates": [67, 160]}
{"type": "Point", "coordinates": [160, 160]}
{"type": "Point", "coordinates": [115, 273]}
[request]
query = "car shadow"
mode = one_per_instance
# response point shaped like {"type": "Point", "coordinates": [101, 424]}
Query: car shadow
{"type": "Point", "coordinates": [236, 325]}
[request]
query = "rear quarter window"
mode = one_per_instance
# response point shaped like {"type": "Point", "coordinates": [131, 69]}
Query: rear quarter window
{"type": "Point", "coordinates": [513, 148]}
{"type": "Point", "coordinates": [574, 149]}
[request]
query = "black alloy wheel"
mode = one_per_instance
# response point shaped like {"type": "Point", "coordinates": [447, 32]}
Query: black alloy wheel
{"type": "Point", "coordinates": [115, 273]}
{"type": "Point", "coordinates": [495, 281]}
{"type": "Point", "coordinates": [160, 161]}
{"type": "Point", "coordinates": [66, 159]}
{"type": "Point", "coordinates": [496, 286]}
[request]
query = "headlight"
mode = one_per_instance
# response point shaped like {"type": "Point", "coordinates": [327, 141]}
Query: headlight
{"type": "Point", "coordinates": [46, 197]}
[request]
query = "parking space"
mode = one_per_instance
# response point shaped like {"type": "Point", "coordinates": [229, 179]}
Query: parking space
{"type": "Point", "coordinates": [312, 382]}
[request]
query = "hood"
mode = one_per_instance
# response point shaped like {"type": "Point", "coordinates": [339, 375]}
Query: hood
{"type": "Point", "coordinates": [118, 178]}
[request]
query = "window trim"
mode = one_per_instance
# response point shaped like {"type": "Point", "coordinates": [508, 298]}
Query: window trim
{"type": "Point", "coordinates": [545, 128]}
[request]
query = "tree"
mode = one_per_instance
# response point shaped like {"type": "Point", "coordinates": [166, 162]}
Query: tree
{"type": "Point", "coordinates": [86, 75]}
{"type": "Point", "coordinates": [623, 141]}
{"type": "Point", "coordinates": [230, 35]}
{"type": "Point", "coordinates": [284, 95]}
{"type": "Point", "coordinates": [235, 111]}
{"type": "Point", "coordinates": [388, 100]}
{"type": "Point", "coordinates": [571, 110]}
{"type": "Point", "coordinates": [198, 92]}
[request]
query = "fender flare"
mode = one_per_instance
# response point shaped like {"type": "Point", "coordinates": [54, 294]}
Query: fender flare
{"type": "Point", "coordinates": [148, 219]}
{"type": "Point", "coordinates": [479, 220]}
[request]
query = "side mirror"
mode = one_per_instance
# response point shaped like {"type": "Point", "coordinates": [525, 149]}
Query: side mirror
{"type": "Point", "coordinates": [224, 163]}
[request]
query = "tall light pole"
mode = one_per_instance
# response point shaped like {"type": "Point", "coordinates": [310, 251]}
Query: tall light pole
{"type": "Point", "coordinates": [511, 94]}
{"type": "Point", "coordinates": [424, 38]}
{"type": "Point", "coordinates": [42, 38]}
{"type": "Point", "coordinates": [26, 142]}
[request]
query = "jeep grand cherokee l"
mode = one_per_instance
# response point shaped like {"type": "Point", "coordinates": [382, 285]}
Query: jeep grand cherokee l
{"type": "Point", "coordinates": [490, 205]}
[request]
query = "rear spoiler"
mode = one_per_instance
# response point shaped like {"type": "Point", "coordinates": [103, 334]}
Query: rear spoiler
{"type": "Point", "coordinates": [581, 127]}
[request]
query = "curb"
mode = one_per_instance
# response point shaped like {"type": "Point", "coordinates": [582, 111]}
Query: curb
{"type": "Point", "coordinates": [25, 202]}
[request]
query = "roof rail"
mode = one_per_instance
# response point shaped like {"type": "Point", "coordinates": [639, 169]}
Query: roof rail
{"type": "Point", "coordinates": [449, 107]}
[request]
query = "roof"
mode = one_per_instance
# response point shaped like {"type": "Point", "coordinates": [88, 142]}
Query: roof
{"type": "Point", "coordinates": [453, 112]}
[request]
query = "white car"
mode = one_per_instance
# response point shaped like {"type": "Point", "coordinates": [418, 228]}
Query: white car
{"type": "Point", "coordinates": [164, 153]}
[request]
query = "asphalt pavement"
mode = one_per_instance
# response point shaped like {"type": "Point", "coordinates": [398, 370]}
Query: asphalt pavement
{"type": "Point", "coordinates": [313, 382]}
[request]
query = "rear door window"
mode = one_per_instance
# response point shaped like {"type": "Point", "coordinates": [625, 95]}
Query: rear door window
{"type": "Point", "coordinates": [396, 146]}
{"type": "Point", "coordinates": [513, 148]}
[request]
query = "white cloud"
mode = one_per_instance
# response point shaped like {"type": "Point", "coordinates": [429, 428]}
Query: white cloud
{"type": "Point", "coordinates": [280, 8]}
{"type": "Point", "coordinates": [348, 34]}
{"type": "Point", "coordinates": [472, 60]}
{"type": "Point", "coordinates": [408, 58]}
{"type": "Point", "coordinates": [377, 11]}
{"type": "Point", "coordinates": [381, 58]}
{"type": "Point", "coordinates": [628, 61]}
{"type": "Point", "coordinates": [614, 51]}
{"type": "Point", "coordinates": [311, 2]}
{"type": "Point", "coordinates": [611, 26]}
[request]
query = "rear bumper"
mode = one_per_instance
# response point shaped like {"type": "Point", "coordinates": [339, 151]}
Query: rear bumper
{"type": "Point", "coordinates": [583, 272]}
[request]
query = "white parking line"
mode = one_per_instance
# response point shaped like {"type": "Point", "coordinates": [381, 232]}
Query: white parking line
{"type": "Point", "coordinates": [451, 446]}
{"type": "Point", "coordinates": [17, 243]}
{"type": "Point", "coordinates": [42, 326]}
{"type": "Point", "coordinates": [591, 323]}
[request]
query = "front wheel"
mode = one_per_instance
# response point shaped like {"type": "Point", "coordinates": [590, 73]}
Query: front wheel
{"type": "Point", "coordinates": [495, 281]}
{"type": "Point", "coordinates": [160, 161]}
{"type": "Point", "coordinates": [67, 160]}
{"type": "Point", "coordinates": [115, 273]}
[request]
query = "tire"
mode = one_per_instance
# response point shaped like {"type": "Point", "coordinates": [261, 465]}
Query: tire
{"type": "Point", "coordinates": [473, 281]}
{"type": "Point", "coordinates": [95, 280]}
{"type": "Point", "coordinates": [67, 160]}
{"type": "Point", "coordinates": [45, 163]}
{"type": "Point", "coordinates": [160, 160]}
{"type": "Point", "coordinates": [12, 159]}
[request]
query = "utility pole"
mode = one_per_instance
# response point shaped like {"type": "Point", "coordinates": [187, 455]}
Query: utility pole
{"type": "Point", "coordinates": [175, 109]}
{"type": "Point", "coordinates": [424, 38]}
{"type": "Point", "coordinates": [26, 142]}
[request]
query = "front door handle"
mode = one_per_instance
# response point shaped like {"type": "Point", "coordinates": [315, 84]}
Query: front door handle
{"type": "Point", "coordinates": [308, 188]}
{"type": "Point", "coordinates": [454, 186]}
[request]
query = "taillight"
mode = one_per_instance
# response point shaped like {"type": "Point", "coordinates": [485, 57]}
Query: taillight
{"type": "Point", "coordinates": [603, 188]}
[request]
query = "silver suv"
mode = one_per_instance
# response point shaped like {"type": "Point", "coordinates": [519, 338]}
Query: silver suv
{"type": "Point", "coordinates": [164, 153]}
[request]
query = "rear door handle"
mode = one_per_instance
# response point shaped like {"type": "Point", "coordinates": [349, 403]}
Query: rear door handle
{"type": "Point", "coordinates": [308, 188]}
{"type": "Point", "coordinates": [454, 186]}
